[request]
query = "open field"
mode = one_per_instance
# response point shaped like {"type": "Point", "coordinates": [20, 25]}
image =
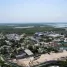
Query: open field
{"type": "Point", "coordinates": [43, 58]}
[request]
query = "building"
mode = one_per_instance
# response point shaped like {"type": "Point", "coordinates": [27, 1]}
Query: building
{"type": "Point", "coordinates": [65, 39]}
{"type": "Point", "coordinates": [39, 34]}
{"type": "Point", "coordinates": [28, 52]}
{"type": "Point", "coordinates": [55, 35]}
{"type": "Point", "coordinates": [13, 37]}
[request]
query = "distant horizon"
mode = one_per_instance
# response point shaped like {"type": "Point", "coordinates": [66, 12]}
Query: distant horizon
{"type": "Point", "coordinates": [28, 22]}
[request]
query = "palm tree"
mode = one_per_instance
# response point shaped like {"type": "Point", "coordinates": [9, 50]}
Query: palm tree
{"type": "Point", "coordinates": [3, 63]}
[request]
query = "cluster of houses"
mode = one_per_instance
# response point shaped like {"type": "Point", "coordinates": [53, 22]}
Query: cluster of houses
{"type": "Point", "coordinates": [14, 36]}
{"type": "Point", "coordinates": [38, 41]}
{"type": "Point", "coordinates": [55, 41]}
{"type": "Point", "coordinates": [51, 35]}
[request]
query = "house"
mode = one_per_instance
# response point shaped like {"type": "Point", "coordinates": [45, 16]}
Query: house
{"type": "Point", "coordinates": [2, 36]}
{"type": "Point", "coordinates": [65, 39]}
{"type": "Point", "coordinates": [39, 34]}
{"type": "Point", "coordinates": [36, 44]}
{"type": "Point", "coordinates": [8, 42]}
{"type": "Point", "coordinates": [34, 39]}
{"type": "Point", "coordinates": [55, 35]}
{"type": "Point", "coordinates": [13, 37]}
{"type": "Point", "coordinates": [22, 35]}
{"type": "Point", "coordinates": [28, 52]}
{"type": "Point", "coordinates": [56, 40]}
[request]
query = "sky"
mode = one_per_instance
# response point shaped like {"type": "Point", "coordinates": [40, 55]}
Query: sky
{"type": "Point", "coordinates": [33, 11]}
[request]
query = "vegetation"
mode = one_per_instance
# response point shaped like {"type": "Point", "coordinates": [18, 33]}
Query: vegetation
{"type": "Point", "coordinates": [5, 63]}
{"type": "Point", "coordinates": [10, 50]}
{"type": "Point", "coordinates": [11, 29]}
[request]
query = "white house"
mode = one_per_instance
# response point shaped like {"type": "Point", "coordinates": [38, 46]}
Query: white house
{"type": "Point", "coordinates": [55, 35]}
{"type": "Point", "coordinates": [28, 52]}
{"type": "Point", "coordinates": [65, 39]}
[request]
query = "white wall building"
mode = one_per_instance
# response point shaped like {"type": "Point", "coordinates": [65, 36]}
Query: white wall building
{"type": "Point", "coordinates": [65, 39]}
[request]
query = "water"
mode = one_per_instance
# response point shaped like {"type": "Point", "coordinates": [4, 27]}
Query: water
{"type": "Point", "coordinates": [59, 25]}
{"type": "Point", "coordinates": [54, 24]}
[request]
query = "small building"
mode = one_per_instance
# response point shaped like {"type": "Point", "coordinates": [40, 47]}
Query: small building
{"type": "Point", "coordinates": [2, 36]}
{"type": "Point", "coordinates": [8, 42]}
{"type": "Point", "coordinates": [13, 37]}
{"type": "Point", "coordinates": [28, 52]}
{"type": "Point", "coordinates": [39, 34]}
{"type": "Point", "coordinates": [65, 39]}
{"type": "Point", "coordinates": [55, 35]}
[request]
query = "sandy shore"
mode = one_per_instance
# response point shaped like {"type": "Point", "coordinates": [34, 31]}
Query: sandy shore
{"type": "Point", "coordinates": [43, 58]}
